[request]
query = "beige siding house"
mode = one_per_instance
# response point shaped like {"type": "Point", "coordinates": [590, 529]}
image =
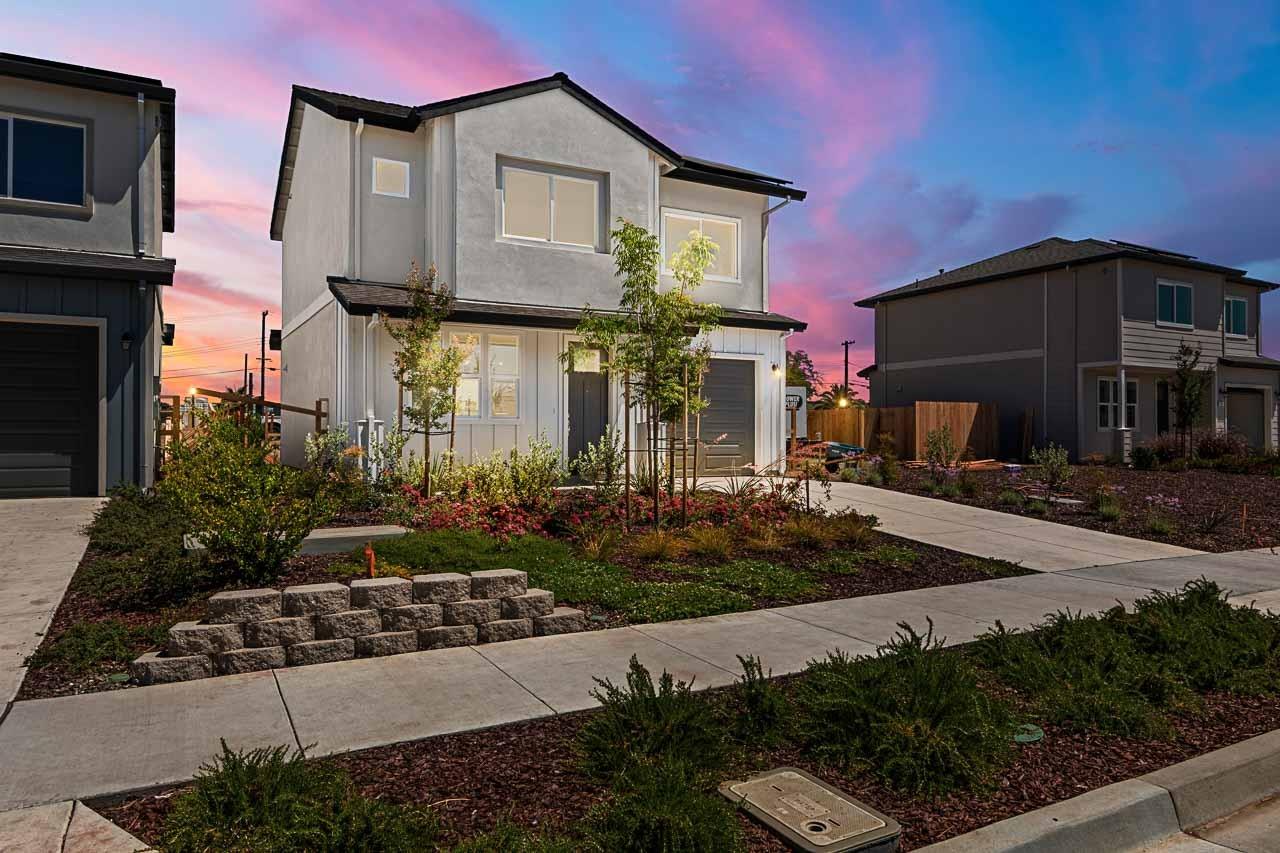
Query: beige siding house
{"type": "Point", "coordinates": [511, 194]}
{"type": "Point", "coordinates": [1084, 333]}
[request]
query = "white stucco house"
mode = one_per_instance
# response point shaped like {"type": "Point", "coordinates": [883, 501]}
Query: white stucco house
{"type": "Point", "coordinates": [511, 193]}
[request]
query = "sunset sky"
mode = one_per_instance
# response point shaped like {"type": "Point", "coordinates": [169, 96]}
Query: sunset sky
{"type": "Point", "coordinates": [928, 134]}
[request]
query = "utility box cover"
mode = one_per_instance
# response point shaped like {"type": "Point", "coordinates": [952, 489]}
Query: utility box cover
{"type": "Point", "coordinates": [811, 815]}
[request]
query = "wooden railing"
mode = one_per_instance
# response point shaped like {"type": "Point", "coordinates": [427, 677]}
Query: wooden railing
{"type": "Point", "coordinates": [973, 425]}
{"type": "Point", "coordinates": [170, 426]}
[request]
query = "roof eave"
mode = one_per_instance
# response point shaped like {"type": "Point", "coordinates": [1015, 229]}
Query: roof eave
{"type": "Point", "coordinates": [715, 179]}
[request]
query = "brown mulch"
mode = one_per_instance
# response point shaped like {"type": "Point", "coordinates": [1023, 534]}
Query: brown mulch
{"type": "Point", "coordinates": [1217, 511]}
{"type": "Point", "coordinates": [527, 773]}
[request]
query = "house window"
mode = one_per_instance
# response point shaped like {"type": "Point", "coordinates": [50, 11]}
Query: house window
{"type": "Point", "coordinates": [1235, 315]}
{"type": "Point", "coordinates": [680, 225]}
{"type": "Point", "coordinates": [490, 371]}
{"type": "Point", "coordinates": [1173, 303]}
{"type": "Point", "coordinates": [555, 208]}
{"type": "Point", "coordinates": [504, 376]}
{"type": "Point", "coordinates": [467, 400]}
{"type": "Point", "coordinates": [390, 177]}
{"type": "Point", "coordinates": [42, 160]}
{"type": "Point", "coordinates": [1109, 403]}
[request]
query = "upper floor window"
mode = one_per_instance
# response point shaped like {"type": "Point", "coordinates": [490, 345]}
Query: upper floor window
{"type": "Point", "coordinates": [390, 177]}
{"type": "Point", "coordinates": [544, 204]}
{"type": "Point", "coordinates": [1173, 303]}
{"type": "Point", "coordinates": [680, 225]}
{"type": "Point", "coordinates": [1235, 316]}
{"type": "Point", "coordinates": [42, 160]}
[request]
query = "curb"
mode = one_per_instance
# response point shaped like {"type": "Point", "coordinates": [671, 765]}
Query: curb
{"type": "Point", "coordinates": [1138, 813]}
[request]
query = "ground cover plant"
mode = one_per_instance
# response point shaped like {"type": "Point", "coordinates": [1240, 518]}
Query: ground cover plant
{"type": "Point", "coordinates": [640, 772]}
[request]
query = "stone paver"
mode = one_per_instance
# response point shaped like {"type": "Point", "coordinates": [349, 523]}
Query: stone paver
{"type": "Point", "coordinates": [42, 543]}
{"type": "Point", "coordinates": [65, 827]}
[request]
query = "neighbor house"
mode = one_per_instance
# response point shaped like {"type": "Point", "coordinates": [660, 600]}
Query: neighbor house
{"type": "Point", "coordinates": [1082, 333]}
{"type": "Point", "coordinates": [86, 195]}
{"type": "Point", "coordinates": [511, 194]}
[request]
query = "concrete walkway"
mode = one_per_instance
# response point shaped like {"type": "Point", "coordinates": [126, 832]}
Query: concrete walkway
{"type": "Point", "coordinates": [78, 747]}
{"type": "Point", "coordinates": [1036, 544]}
{"type": "Point", "coordinates": [42, 544]}
{"type": "Point", "coordinates": [68, 827]}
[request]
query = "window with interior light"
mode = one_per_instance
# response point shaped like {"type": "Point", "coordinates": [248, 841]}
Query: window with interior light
{"type": "Point", "coordinates": [489, 378]}
{"type": "Point", "coordinates": [555, 205]}
{"type": "Point", "coordinates": [680, 225]}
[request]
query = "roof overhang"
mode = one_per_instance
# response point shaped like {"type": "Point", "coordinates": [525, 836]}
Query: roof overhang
{"type": "Point", "coordinates": [868, 370]}
{"type": "Point", "coordinates": [365, 298]}
{"type": "Point", "coordinates": [746, 184]}
{"type": "Point", "coordinates": [1253, 363]}
{"type": "Point", "coordinates": [72, 264]}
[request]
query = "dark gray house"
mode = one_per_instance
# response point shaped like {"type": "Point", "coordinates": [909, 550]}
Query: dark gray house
{"type": "Point", "coordinates": [86, 195]}
{"type": "Point", "coordinates": [1083, 332]}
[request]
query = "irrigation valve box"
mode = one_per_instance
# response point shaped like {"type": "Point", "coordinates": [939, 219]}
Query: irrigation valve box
{"type": "Point", "coordinates": [811, 815]}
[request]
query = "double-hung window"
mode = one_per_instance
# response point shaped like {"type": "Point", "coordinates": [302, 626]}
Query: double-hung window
{"type": "Point", "coordinates": [1173, 304]}
{"type": "Point", "coordinates": [1109, 403]}
{"type": "Point", "coordinates": [42, 160]}
{"type": "Point", "coordinates": [1235, 316]}
{"type": "Point", "coordinates": [680, 225]}
{"type": "Point", "coordinates": [489, 379]}
{"type": "Point", "coordinates": [549, 206]}
{"type": "Point", "coordinates": [467, 401]}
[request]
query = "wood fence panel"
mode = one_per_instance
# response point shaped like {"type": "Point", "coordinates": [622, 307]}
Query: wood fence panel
{"type": "Point", "coordinates": [973, 425]}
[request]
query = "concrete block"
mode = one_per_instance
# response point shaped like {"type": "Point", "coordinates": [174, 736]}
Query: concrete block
{"type": "Point", "coordinates": [501, 630]}
{"type": "Point", "coordinates": [320, 651]}
{"type": "Point", "coordinates": [440, 588]}
{"type": "Point", "coordinates": [339, 540]}
{"type": "Point", "coordinates": [535, 602]}
{"type": "Point", "coordinates": [284, 631]}
{"type": "Point", "coordinates": [348, 623]}
{"type": "Point", "coordinates": [381, 593]}
{"type": "Point", "coordinates": [386, 643]}
{"type": "Point", "coordinates": [472, 611]}
{"type": "Point", "coordinates": [447, 637]}
{"type": "Point", "coordinates": [1130, 815]}
{"type": "Point", "coordinates": [1224, 781]}
{"type": "Point", "coordinates": [199, 638]}
{"type": "Point", "coordinates": [243, 605]}
{"type": "Point", "coordinates": [498, 583]}
{"type": "Point", "coordinates": [315, 599]}
{"type": "Point", "coordinates": [412, 617]}
{"type": "Point", "coordinates": [250, 660]}
{"type": "Point", "coordinates": [153, 669]}
{"type": "Point", "coordinates": [562, 620]}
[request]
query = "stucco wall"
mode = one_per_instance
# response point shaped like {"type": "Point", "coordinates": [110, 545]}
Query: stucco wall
{"type": "Point", "coordinates": [308, 361]}
{"type": "Point", "coordinates": [394, 229]}
{"type": "Point", "coordinates": [999, 316]}
{"type": "Point", "coordinates": [748, 294]}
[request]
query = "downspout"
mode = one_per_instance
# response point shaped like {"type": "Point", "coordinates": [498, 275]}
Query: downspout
{"type": "Point", "coordinates": [138, 206]}
{"type": "Point", "coordinates": [1122, 384]}
{"type": "Point", "coordinates": [357, 236]}
{"type": "Point", "coordinates": [764, 252]}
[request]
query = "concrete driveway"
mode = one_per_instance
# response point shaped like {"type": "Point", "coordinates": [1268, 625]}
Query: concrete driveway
{"type": "Point", "coordinates": [42, 544]}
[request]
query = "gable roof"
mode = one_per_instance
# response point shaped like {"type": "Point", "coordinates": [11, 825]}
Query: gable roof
{"type": "Point", "coordinates": [1052, 253]}
{"type": "Point", "coordinates": [113, 83]}
{"type": "Point", "coordinates": [407, 118]}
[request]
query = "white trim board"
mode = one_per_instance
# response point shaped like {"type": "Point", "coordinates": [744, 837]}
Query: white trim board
{"type": "Point", "coordinates": [317, 305]}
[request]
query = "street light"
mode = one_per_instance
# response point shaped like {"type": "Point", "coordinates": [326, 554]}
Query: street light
{"type": "Point", "coordinates": [843, 403]}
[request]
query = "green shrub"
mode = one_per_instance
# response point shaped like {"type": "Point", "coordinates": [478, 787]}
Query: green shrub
{"type": "Point", "coordinates": [664, 806]}
{"type": "Point", "coordinates": [86, 646]}
{"type": "Point", "coordinates": [889, 469]}
{"type": "Point", "coordinates": [1035, 506]}
{"type": "Point", "coordinates": [948, 490]}
{"type": "Point", "coordinates": [1143, 458]}
{"type": "Point", "coordinates": [872, 478]}
{"type": "Point", "coordinates": [602, 463]}
{"type": "Point", "coordinates": [662, 602]}
{"type": "Point", "coordinates": [656, 545]}
{"type": "Point", "coordinates": [535, 473]}
{"type": "Point", "coordinates": [913, 715]}
{"type": "Point", "coordinates": [1160, 525]}
{"type": "Point", "coordinates": [1109, 509]}
{"type": "Point", "coordinates": [508, 837]}
{"type": "Point", "coordinates": [849, 474]}
{"type": "Point", "coordinates": [639, 723]}
{"type": "Point", "coordinates": [1011, 498]}
{"type": "Point", "coordinates": [250, 512]}
{"type": "Point", "coordinates": [850, 529]}
{"type": "Point", "coordinates": [710, 543]}
{"type": "Point", "coordinates": [898, 556]}
{"type": "Point", "coordinates": [271, 800]}
{"type": "Point", "coordinates": [449, 550]}
{"type": "Point", "coordinates": [764, 711]}
{"type": "Point", "coordinates": [803, 530]}
{"type": "Point", "coordinates": [940, 452]}
{"type": "Point", "coordinates": [1055, 467]}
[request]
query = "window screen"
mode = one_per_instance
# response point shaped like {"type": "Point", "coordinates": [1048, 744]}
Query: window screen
{"type": "Point", "coordinates": [48, 161]}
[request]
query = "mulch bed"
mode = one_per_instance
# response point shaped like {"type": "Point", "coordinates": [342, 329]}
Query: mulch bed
{"type": "Point", "coordinates": [527, 772]}
{"type": "Point", "coordinates": [1245, 507]}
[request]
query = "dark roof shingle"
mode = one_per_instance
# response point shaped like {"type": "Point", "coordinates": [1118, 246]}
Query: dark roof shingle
{"type": "Point", "coordinates": [67, 262]}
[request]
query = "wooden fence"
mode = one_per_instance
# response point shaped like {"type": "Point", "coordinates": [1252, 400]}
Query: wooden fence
{"type": "Point", "coordinates": [973, 425]}
{"type": "Point", "coordinates": [170, 426]}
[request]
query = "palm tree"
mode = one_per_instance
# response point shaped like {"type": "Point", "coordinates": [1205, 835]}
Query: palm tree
{"type": "Point", "coordinates": [837, 397]}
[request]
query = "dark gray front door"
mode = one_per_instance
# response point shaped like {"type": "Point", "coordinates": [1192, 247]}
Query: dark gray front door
{"type": "Point", "coordinates": [1246, 415]}
{"type": "Point", "coordinates": [48, 410]}
{"type": "Point", "coordinates": [729, 421]}
{"type": "Point", "coordinates": [588, 402]}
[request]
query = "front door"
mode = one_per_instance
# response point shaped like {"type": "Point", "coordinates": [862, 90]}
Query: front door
{"type": "Point", "coordinates": [588, 400]}
{"type": "Point", "coordinates": [1245, 414]}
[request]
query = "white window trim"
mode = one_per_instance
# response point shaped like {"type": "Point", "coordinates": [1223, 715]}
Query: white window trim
{"type": "Point", "coordinates": [714, 217]}
{"type": "Point", "coordinates": [1114, 405]}
{"type": "Point", "coordinates": [1227, 314]}
{"type": "Point", "coordinates": [408, 177]}
{"type": "Point", "coordinates": [485, 376]}
{"type": "Point", "coordinates": [1164, 282]}
{"type": "Point", "coordinates": [84, 159]}
{"type": "Point", "coordinates": [552, 176]}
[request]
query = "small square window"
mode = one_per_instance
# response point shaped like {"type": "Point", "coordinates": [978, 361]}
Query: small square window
{"type": "Point", "coordinates": [390, 177]}
{"type": "Point", "coordinates": [586, 360]}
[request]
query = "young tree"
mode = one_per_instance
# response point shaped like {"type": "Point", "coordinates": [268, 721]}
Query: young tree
{"type": "Point", "coordinates": [423, 365]}
{"type": "Point", "coordinates": [1189, 386]}
{"type": "Point", "coordinates": [801, 371]}
{"type": "Point", "coordinates": [650, 341]}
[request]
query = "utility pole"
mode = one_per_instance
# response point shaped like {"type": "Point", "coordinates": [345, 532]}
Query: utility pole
{"type": "Point", "coordinates": [262, 363]}
{"type": "Point", "coordinates": [846, 345]}
{"type": "Point", "coordinates": [244, 383]}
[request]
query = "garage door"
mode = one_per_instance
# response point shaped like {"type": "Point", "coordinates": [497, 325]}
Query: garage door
{"type": "Point", "coordinates": [48, 410]}
{"type": "Point", "coordinates": [730, 388]}
{"type": "Point", "coordinates": [1246, 415]}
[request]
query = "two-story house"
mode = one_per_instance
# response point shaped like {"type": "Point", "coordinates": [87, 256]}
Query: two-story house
{"type": "Point", "coordinates": [86, 195]}
{"type": "Point", "coordinates": [511, 194]}
{"type": "Point", "coordinates": [1082, 333]}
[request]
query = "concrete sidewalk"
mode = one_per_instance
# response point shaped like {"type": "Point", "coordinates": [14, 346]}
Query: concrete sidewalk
{"type": "Point", "coordinates": [42, 543]}
{"type": "Point", "coordinates": [69, 827]}
{"type": "Point", "coordinates": [77, 747]}
{"type": "Point", "coordinates": [1036, 544]}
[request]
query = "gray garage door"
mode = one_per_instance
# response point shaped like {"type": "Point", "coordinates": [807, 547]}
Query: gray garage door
{"type": "Point", "coordinates": [730, 388]}
{"type": "Point", "coordinates": [1246, 415]}
{"type": "Point", "coordinates": [48, 410]}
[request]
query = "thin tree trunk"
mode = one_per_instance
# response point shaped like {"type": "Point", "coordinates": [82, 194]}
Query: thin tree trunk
{"type": "Point", "coordinates": [684, 456]}
{"type": "Point", "coordinates": [426, 452]}
{"type": "Point", "coordinates": [626, 450]}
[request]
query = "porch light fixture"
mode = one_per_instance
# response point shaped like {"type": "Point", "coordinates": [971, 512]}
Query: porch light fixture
{"type": "Point", "coordinates": [126, 341]}
{"type": "Point", "coordinates": [774, 368]}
